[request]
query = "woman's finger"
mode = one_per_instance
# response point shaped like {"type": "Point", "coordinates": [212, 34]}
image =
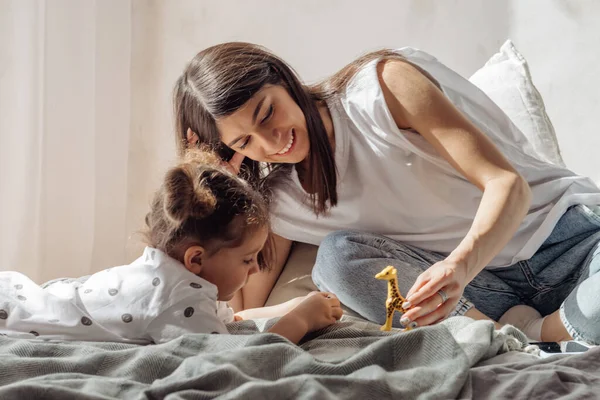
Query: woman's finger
{"type": "Point", "coordinates": [236, 162]}
{"type": "Point", "coordinates": [427, 290]}
{"type": "Point", "coordinates": [419, 283]}
{"type": "Point", "coordinates": [191, 137]}
{"type": "Point", "coordinates": [427, 306]}
{"type": "Point", "coordinates": [440, 320]}
{"type": "Point", "coordinates": [438, 314]}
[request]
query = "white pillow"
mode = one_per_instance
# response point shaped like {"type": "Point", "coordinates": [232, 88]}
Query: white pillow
{"type": "Point", "coordinates": [506, 79]}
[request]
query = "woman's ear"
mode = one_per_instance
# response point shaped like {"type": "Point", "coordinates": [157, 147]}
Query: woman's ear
{"type": "Point", "coordinates": [192, 138]}
{"type": "Point", "coordinates": [192, 259]}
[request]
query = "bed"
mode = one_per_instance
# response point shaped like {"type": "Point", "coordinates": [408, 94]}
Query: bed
{"type": "Point", "coordinates": [459, 358]}
{"type": "Point", "coordinates": [353, 359]}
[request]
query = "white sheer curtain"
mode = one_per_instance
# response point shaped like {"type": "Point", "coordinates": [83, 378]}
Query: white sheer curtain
{"type": "Point", "coordinates": [65, 139]}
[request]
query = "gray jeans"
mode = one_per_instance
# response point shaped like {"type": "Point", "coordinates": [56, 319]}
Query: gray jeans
{"type": "Point", "coordinates": [563, 274]}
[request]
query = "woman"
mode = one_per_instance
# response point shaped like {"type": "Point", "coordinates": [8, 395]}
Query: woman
{"type": "Point", "coordinates": [398, 144]}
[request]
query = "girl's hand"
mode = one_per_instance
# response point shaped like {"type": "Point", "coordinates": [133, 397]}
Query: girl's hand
{"type": "Point", "coordinates": [424, 300]}
{"type": "Point", "coordinates": [318, 310]}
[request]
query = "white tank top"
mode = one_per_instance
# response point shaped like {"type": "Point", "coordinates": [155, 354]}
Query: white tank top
{"type": "Point", "coordinates": [392, 181]}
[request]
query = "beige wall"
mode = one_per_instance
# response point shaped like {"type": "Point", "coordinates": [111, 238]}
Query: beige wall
{"type": "Point", "coordinates": [85, 95]}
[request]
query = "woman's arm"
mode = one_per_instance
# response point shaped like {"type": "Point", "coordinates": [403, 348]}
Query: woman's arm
{"type": "Point", "coordinates": [415, 102]}
{"type": "Point", "coordinates": [259, 286]}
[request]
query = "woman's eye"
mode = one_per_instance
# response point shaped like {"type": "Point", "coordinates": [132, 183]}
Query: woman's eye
{"type": "Point", "coordinates": [269, 114]}
{"type": "Point", "coordinates": [262, 121]}
{"type": "Point", "coordinates": [250, 261]}
{"type": "Point", "coordinates": [245, 144]}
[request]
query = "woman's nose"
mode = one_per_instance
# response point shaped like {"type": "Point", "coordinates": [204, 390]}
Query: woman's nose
{"type": "Point", "coordinates": [274, 138]}
{"type": "Point", "coordinates": [271, 141]}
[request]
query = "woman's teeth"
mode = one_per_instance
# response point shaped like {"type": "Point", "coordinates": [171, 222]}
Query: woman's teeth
{"type": "Point", "coordinates": [287, 147]}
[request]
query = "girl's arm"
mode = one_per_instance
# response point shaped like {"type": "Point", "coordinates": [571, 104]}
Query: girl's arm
{"type": "Point", "coordinates": [415, 102]}
{"type": "Point", "coordinates": [259, 286]}
{"type": "Point", "coordinates": [302, 315]}
{"type": "Point", "coordinates": [291, 326]}
{"type": "Point", "coordinates": [269, 312]}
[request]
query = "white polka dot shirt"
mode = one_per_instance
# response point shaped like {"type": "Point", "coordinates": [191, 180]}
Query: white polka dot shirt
{"type": "Point", "coordinates": [152, 300]}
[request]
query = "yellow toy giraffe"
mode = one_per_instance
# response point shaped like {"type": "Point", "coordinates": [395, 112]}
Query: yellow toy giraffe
{"type": "Point", "coordinates": [394, 298]}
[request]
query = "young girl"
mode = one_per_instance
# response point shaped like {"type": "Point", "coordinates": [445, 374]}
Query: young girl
{"type": "Point", "coordinates": [206, 233]}
{"type": "Point", "coordinates": [396, 159]}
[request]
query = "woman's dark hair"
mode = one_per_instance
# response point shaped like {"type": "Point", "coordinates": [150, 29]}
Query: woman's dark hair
{"type": "Point", "coordinates": [221, 78]}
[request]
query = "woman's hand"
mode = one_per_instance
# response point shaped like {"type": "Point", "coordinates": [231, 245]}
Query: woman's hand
{"type": "Point", "coordinates": [232, 165]}
{"type": "Point", "coordinates": [425, 302]}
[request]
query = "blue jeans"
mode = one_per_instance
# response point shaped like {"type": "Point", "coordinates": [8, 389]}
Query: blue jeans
{"type": "Point", "coordinates": [563, 275]}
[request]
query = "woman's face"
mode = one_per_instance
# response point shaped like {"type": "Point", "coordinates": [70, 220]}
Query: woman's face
{"type": "Point", "coordinates": [270, 127]}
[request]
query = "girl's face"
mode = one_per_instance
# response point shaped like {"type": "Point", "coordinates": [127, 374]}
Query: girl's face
{"type": "Point", "coordinates": [230, 268]}
{"type": "Point", "coordinates": [270, 127]}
